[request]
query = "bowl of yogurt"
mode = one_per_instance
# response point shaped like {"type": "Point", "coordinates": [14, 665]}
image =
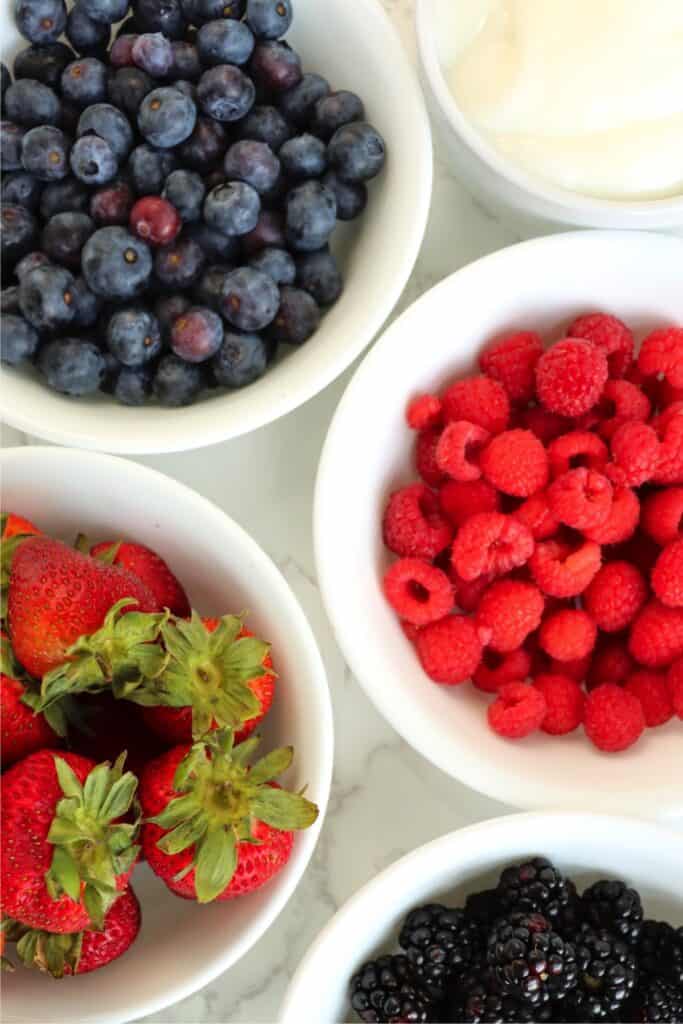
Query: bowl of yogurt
{"type": "Point", "coordinates": [561, 114]}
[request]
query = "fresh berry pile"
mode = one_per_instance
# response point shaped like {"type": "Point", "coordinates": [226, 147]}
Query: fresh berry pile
{"type": "Point", "coordinates": [170, 195]}
{"type": "Point", "coordinates": [541, 554]}
{"type": "Point", "coordinates": [530, 949]}
{"type": "Point", "coordinates": [104, 662]}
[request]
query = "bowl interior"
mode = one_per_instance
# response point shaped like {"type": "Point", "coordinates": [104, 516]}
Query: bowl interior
{"type": "Point", "coordinates": [586, 847]}
{"type": "Point", "coordinates": [223, 570]}
{"type": "Point", "coordinates": [542, 285]}
{"type": "Point", "coordinates": [341, 41]}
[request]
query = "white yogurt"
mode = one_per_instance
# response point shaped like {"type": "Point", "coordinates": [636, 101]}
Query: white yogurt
{"type": "Point", "coordinates": [587, 94]}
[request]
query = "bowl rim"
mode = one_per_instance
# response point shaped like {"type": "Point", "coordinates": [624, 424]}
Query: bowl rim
{"type": "Point", "coordinates": [324, 504]}
{"type": "Point", "coordinates": [465, 841]}
{"type": "Point", "coordinates": [209, 422]}
{"type": "Point", "coordinates": [559, 202]}
{"type": "Point", "coordinates": [282, 595]}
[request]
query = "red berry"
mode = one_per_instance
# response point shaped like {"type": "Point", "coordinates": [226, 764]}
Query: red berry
{"type": "Point", "coordinates": [423, 412]}
{"type": "Point", "coordinates": [609, 334]}
{"type": "Point", "coordinates": [518, 711]}
{"type": "Point", "coordinates": [581, 498]}
{"type": "Point", "coordinates": [425, 456]}
{"type": "Point", "coordinates": [563, 571]}
{"type": "Point", "coordinates": [656, 637]}
{"type": "Point", "coordinates": [662, 353]}
{"type": "Point", "coordinates": [496, 669]}
{"type": "Point", "coordinates": [611, 663]}
{"type": "Point", "coordinates": [458, 450]}
{"type": "Point", "coordinates": [613, 718]}
{"type": "Point", "coordinates": [662, 517]}
{"type": "Point", "coordinates": [478, 400]}
{"type": "Point", "coordinates": [512, 361]}
{"type": "Point", "coordinates": [468, 593]}
{"type": "Point", "coordinates": [564, 703]}
{"type": "Point", "coordinates": [461, 499]}
{"type": "Point", "coordinates": [674, 681]}
{"type": "Point", "coordinates": [622, 521]}
{"type": "Point", "coordinates": [490, 543]}
{"type": "Point", "coordinates": [667, 575]}
{"type": "Point", "coordinates": [568, 634]}
{"type": "Point", "coordinates": [155, 220]}
{"type": "Point", "coordinates": [545, 425]}
{"type": "Point", "coordinates": [413, 525]}
{"type": "Point", "coordinates": [112, 204]}
{"type": "Point", "coordinates": [622, 402]}
{"type": "Point", "coordinates": [615, 596]}
{"type": "Point", "coordinates": [576, 449]}
{"type": "Point", "coordinates": [417, 591]}
{"type": "Point", "coordinates": [450, 650]}
{"type": "Point", "coordinates": [635, 455]}
{"type": "Point", "coordinates": [575, 668]}
{"type": "Point", "coordinates": [654, 695]}
{"type": "Point", "coordinates": [570, 377]}
{"type": "Point", "coordinates": [509, 611]}
{"type": "Point", "coordinates": [669, 427]}
{"type": "Point", "coordinates": [516, 463]}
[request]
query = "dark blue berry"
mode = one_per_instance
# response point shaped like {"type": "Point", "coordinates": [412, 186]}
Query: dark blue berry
{"type": "Point", "coordinates": [64, 236]}
{"type": "Point", "coordinates": [88, 37]}
{"type": "Point", "coordinates": [160, 16]}
{"type": "Point", "coordinates": [153, 53]}
{"type": "Point", "coordinates": [276, 263]}
{"type": "Point", "coordinates": [209, 289]}
{"type": "Point", "coordinates": [275, 66]}
{"type": "Point", "coordinates": [18, 340]}
{"type": "Point", "coordinates": [304, 156]}
{"type": "Point", "coordinates": [318, 274]}
{"type": "Point", "coordinates": [216, 246]}
{"type": "Point", "coordinates": [44, 63]}
{"type": "Point", "coordinates": [334, 111]}
{"type": "Point", "coordinates": [241, 360]}
{"type": "Point", "coordinates": [116, 264]}
{"type": "Point", "coordinates": [66, 196]}
{"type": "Point", "coordinates": [185, 190]}
{"type": "Point", "coordinates": [356, 152]}
{"type": "Point", "coordinates": [40, 21]}
{"type": "Point", "coordinates": [265, 124]}
{"type": "Point", "coordinates": [30, 103]}
{"type": "Point", "coordinates": [224, 42]}
{"type": "Point", "coordinates": [72, 366]}
{"type": "Point", "coordinates": [22, 189]}
{"type": "Point", "coordinates": [106, 11]}
{"type": "Point", "coordinates": [110, 124]}
{"type": "Point", "coordinates": [352, 198]}
{"type": "Point", "coordinates": [206, 144]}
{"type": "Point", "coordinates": [134, 336]}
{"type": "Point", "coordinates": [197, 334]}
{"type": "Point", "coordinates": [225, 93]}
{"type": "Point", "coordinates": [311, 215]}
{"type": "Point", "coordinates": [18, 235]}
{"type": "Point", "coordinates": [45, 153]}
{"type": "Point", "coordinates": [297, 318]}
{"type": "Point", "coordinates": [176, 382]}
{"type": "Point", "coordinates": [133, 385]}
{"type": "Point", "coordinates": [112, 204]}
{"type": "Point", "coordinates": [188, 89]}
{"type": "Point", "coordinates": [232, 208]}
{"type": "Point", "coordinates": [298, 103]}
{"type": "Point", "coordinates": [46, 297]}
{"type": "Point", "coordinates": [198, 12]}
{"type": "Point", "coordinates": [180, 264]}
{"type": "Point", "coordinates": [85, 81]}
{"type": "Point", "coordinates": [128, 88]}
{"type": "Point", "coordinates": [167, 310]}
{"type": "Point", "coordinates": [166, 117]}
{"type": "Point", "coordinates": [5, 82]}
{"type": "Point", "coordinates": [30, 262]}
{"type": "Point", "coordinates": [9, 301]}
{"type": "Point", "coordinates": [268, 233]}
{"type": "Point", "coordinates": [11, 144]}
{"type": "Point", "coordinates": [252, 162]}
{"type": "Point", "coordinates": [87, 304]}
{"type": "Point", "coordinates": [186, 63]}
{"type": "Point", "coordinates": [93, 161]}
{"type": "Point", "coordinates": [269, 19]}
{"type": "Point", "coordinates": [250, 299]}
{"type": "Point", "coordinates": [149, 168]}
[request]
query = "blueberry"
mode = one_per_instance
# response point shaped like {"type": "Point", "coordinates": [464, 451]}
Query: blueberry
{"type": "Point", "coordinates": [121, 53]}
{"type": "Point", "coordinates": [224, 42]}
{"type": "Point", "coordinates": [209, 289]}
{"type": "Point", "coordinates": [275, 66]}
{"type": "Point", "coordinates": [85, 81]}
{"type": "Point", "coordinates": [318, 274]}
{"type": "Point", "coordinates": [311, 215]}
{"type": "Point", "coordinates": [186, 63]}
{"type": "Point", "coordinates": [304, 156]}
{"type": "Point", "coordinates": [72, 366]}
{"type": "Point", "coordinates": [88, 37]}
{"type": "Point", "coordinates": [356, 152]}
{"type": "Point", "coordinates": [166, 117]}
{"type": "Point", "coordinates": [298, 103]}
{"type": "Point", "coordinates": [22, 189]}
{"type": "Point", "coordinates": [44, 63]}
{"type": "Point", "coordinates": [30, 103]}
{"type": "Point", "coordinates": [197, 334]}
{"type": "Point", "coordinates": [40, 21]}
{"type": "Point", "coordinates": [116, 264]}
{"type": "Point", "coordinates": [334, 111]}
{"type": "Point", "coordinates": [9, 301]}
{"type": "Point", "coordinates": [268, 233]}
{"type": "Point", "coordinates": [153, 53]}
{"type": "Point", "coordinates": [5, 82]}
{"type": "Point", "coordinates": [133, 385]}
{"type": "Point", "coordinates": [180, 264]}
{"type": "Point", "coordinates": [108, 123]}
{"type": "Point", "coordinates": [176, 382]}
{"type": "Point", "coordinates": [149, 169]}
{"type": "Point", "coordinates": [93, 161]}
{"type": "Point", "coordinates": [167, 309]}
{"type": "Point", "coordinates": [225, 93]}
{"type": "Point", "coordinates": [265, 124]}
{"type": "Point", "coordinates": [18, 340]}
{"type": "Point", "coordinates": [352, 198]}
{"type": "Point", "coordinates": [198, 12]}
{"type": "Point", "coordinates": [206, 144]}
{"type": "Point", "coordinates": [297, 319]}
{"type": "Point", "coordinates": [64, 236]}
{"type": "Point", "coordinates": [164, 16]}
{"type": "Point", "coordinates": [87, 305]}
{"type": "Point", "coordinates": [188, 89]}
{"type": "Point", "coordinates": [214, 244]}
{"type": "Point", "coordinates": [252, 162]}
{"type": "Point", "coordinates": [241, 360]}
{"type": "Point", "coordinates": [45, 153]}
{"type": "Point", "coordinates": [128, 88]}
{"type": "Point", "coordinates": [11, 145]}
{"type": "Point", "coordinates": [269, 19]}
{"type": "Point", "coordinates": [46, 297]}
{"type": "Point", "coordinates": [108, 12]}
{"type": "Point", "coordinates": [30, 262]}
{"type": "Point", "coordinates": [134, 336]}
{"type": "Point", "coordinates": [276, 263]}
{"type": "Point", "coordinates": [250, 299]}
{"type": "Point", "coordinates": [68, 195]}
{"type": "Point", "coordinates": [18, 233]}
{"type": "Point", "coordinates": [185, 190]}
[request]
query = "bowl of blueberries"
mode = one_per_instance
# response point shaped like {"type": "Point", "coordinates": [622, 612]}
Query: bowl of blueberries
{"type": "Point", "coordinates": [197, 199]}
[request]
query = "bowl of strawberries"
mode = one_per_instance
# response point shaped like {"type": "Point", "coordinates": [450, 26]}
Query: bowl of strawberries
{"type": "Point", "coordinates": [508, 590]}
{"type": "Point", "coordinates": [166, 739]}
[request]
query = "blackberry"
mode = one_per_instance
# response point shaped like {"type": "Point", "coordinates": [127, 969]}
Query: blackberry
{"type": "Point", "coordinates": [607, 975]}
{"type": "Point", "coordinates": [660, 951]}
{"type": "Point", "coordinates": [387, 989]}
{"type": "Point", "coordinates": [537, 886]}
{"type": "Point", "coordinates": [531, 961]}
{"type": "Point", "coordinates": [438, 942]}
{"type": "Point", "coordinates": [658, 1001]}
{"type": "Point", "coordinates": [612, 905]}
{"type": "Point", "coordinates": [482, 907]}
{"type": "Point", "coordinates": [475, 998]}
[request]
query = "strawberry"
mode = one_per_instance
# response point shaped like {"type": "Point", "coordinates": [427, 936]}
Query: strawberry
{"type": "Point", "coordinates": [57, 595]}
{"type": "Point", "coordinates": [66, 854]}
{"type": "Point", "coordinates": [23, 731]}
{"type": "Point", "coordinates": [151, 569]}
{"type": "Point", "coordinates": [78, 953]}
{"type": "Point", "coordinates": [12, 525]}
{"type": "Point", "coordinates": [216, 828]}
{"type": "Point", "coordinates": [13, 530]}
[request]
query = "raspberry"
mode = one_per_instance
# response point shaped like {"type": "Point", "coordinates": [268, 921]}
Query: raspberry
{"type": "Point", "coordinates": [667, 394]}
{"type": "Point", "coordinates": [657, 635]}
{"type": "Point", "coordinates": [568, 634]}
{"type": "Point", "coordinates": [576, 668]}
{"type": "Point", "coordinates": [468, 593]}
{"type": "Point", "coordinates": [413, 527]}
{"type": "Point", "coordinates": [417, 591]}
{"type": "Point", "coordinates": [516, 463]}
{"type": "Point", "coordinates": [674, 681]}
{"type": "Point", "coordinates": [496, 669]}
{"type": "Point", "coordinates": [570, 377]}
{"type": "Point", "coordinates": [518, 711]}
{"type": "Point", "coordinates": [562, 571]}
{"type": "Point", "coordinates": [613, 718]}
{"type": "Point", "coordinates": [670, 430]}
{"type": "Point", "coordinates": [635, 455]}
{"type": "Point", "coordinates": [575, 449]}
{"type": "Point", "coordinates": [412, 632]}
{"type": "Point", "coordinates": [425, 457]}
{"type": "Point", "coordinates": [662, 517]}
{"type": "Point", "coordinates": [609, 334]}
{"type": "Point", "coordinates": [615, 596]}
{"type": "Point", "coordinates": [450, 650]}
{"type": "Point", "coordinates": [424, 412]}
{"type": "Point", "coordinates": [611, 664]}
{"type": "Point", "coordinates": [478, 400]}
{"type": "Point", "coordinates": [622, 402]}
{"type": "Point", "coordinates": [662, 353]}
{"type": "Point", "coordinates": [564, 702]}
{"type": "Point", "coordinates": [640, 551]}
{"type": "Point", "coordinates": [545, 425]}
{"type": "Point", "coordinates": [459, 448]}
{"type": "Point", "coordinates": [622, 520]}
{"type": "Point", "coordinates": [581, 498]}
{"type": "Point", "coordinates": [536, 515]}
{"type": "Point", "coordinates": [512, 362]}
{"type": "Point", "coordinates": [667, 575]}
{"type": "Point", "coordinates": [654, 695]}
{"type": "Point", "coordinates": [510, 610]}
{"type": "Point", "coordinates": [461, 499]}
{"type": "Point", "coordinates": [490, 542]}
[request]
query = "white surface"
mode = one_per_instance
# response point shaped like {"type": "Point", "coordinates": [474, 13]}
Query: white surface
{"type": "Point", "coordinates": [586, 847]}
{"type": "Point", "coordinates": [377, 253]}
{"type": "Point", "coordinates": [539, 285]}
{"type": "Point", "coordinates": [181, 946]}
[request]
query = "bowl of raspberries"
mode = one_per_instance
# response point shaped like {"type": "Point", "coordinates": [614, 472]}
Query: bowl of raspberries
{"type": "Point", "coordinates": [196, 198]}
{"type": "Point", "coordinates": [508, 590]}
{"type": "Point", "coordinates": [531, 917]}
{"type": "Point", "coordinates": [166, 739]}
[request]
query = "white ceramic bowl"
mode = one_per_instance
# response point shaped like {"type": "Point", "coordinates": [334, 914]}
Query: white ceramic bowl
{"type": "Point", "coordinates": [585, 846]}
{"type": "Point", "coordinates": [181, 946]}
{"type": "Point", "coordinates": [542, 284]}
{"type": "Point", "coordinates": [499, 182]}
{"type": "Point", "coordinates": [344, 42]}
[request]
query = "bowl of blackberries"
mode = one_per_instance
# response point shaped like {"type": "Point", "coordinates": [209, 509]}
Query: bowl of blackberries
{"type": "Point", "coordinates": [197, 198]}
{"type": "Point", "coordinates": [531, 917]}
